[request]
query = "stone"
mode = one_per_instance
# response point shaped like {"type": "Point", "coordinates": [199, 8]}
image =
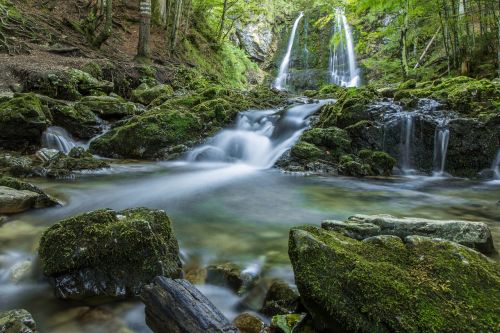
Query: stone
{"type": "Point", "coordinates": [386, 285]}
{"type": "Point", "coordinates": [146, 95]}
{"type": "Point", "coordinates": [17, 321]}
{"type": "Point", "coordinates": [108, 107]}
{"type": "Point", "coordinates": [280, 299]}
{"type": "Point", "coordinates": [256, 38]}
{"type": "Point", "coordinates": [354, 230]}
{"type": "Point", "coordinates": [476, 235]}
{"type": "Point", "coordinates": [249, 323]}
{"type": "Point", "coordinates": [46, 154]}
{"type": "Point", "coordinates": [226, 275]}
{"type": "Point", "coordinates": [42, 200]}
{"type": "Point", "coordinates": [106, 254]}
{"type": "Point", "coordinates": [15, 201]}
{"type": "Point", "coordinates": [78, 159]}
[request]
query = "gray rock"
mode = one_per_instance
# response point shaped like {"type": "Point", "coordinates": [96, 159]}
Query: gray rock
{"type": "Point", "coordinates": [476, 235]}
{"type": "Point", "coordinates": [256, 38]}
{"type": "Point", "coordinates": [17, 321]}
{"type": "Point", "coordinates": [383, 240]}
{"type": "Point", "coordinates": [16, 201]}
{"type": "Point", "coordinates": [354, 230]}
{"type": "Point", "coordinates": [46, 154]}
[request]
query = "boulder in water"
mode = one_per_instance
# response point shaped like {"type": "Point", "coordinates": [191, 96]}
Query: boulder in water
{"type": "Point", "coordinates": [476, 235]}
{"type": "Point", "coordinates": [280, 299]}
{"type": "Point", "coordinates": [22, 122]}
{"type": "Point", "coordinates": [105, 254]}
{"type": "Point", "coordinates": [17, 321]}
{"type": "Point", "coordinates": [78, 159]}
{"type": "Point", "coordinates": [14, 201]}
{"type": "Point", "coordinates": [392, 286]}
{"type": "Point", "coordinates": [46, 154]}
{"type": "Point", "coordinates": [226, 275]}
{"type": "Point", "coordinates": [41, 201]}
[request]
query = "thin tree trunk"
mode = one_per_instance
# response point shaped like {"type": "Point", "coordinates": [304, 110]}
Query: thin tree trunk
{"type": "Point", "coordinates": [222, 21]}
{"type": "Point", "coordinates": [404, 46]}
{"type": "Point", "coordinates": [143, 50]}
{"type": "Point", "coordinates": [427, 48]}
{"type": "Point", "coordinates": [108, 25]}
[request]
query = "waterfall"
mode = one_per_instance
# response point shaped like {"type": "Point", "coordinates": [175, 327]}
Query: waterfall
{"type": "Point", "coordinates": [281, 80]}
{"type": "Point", "coordinates": [496, 166]}
{"type": "Point", "coordinates": [441, 140]}
{"type": "Point", "coordinates": [58, 138]}
{"type": "Point", "coordinates": [259, 138]}
{"type": "Point", "coordinates": [406, 142]}
{"type": "Point", "coordinates": [342, 64]}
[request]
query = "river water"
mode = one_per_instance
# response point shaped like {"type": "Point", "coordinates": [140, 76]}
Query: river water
{"type": "Point", "coordinates": [225, 207]}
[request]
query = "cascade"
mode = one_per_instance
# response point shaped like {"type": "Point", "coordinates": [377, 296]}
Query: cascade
{"type": "Point", "coordinates": [343, 70]}
{"type": "Point", "coordinates": [58, 138]}
{"type": "Point", "coordinates": [441, 140]}
{"type": "Point", "coordinates": [406, 142]}
{"type": "Point", "coordinates": [259, 137]}
{"type": "Point", "coordinates": [282, 78]}
{"type": "Point", "coordinates": [496, 166]}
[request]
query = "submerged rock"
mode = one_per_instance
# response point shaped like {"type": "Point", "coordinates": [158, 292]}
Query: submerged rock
{"type": "Point", "coordinates": [386, 285]}
{"type": "Point", "coordinates": [476, 235]}
{"type": "Point", "coordinates": [106, 254]}
{"type": "Point", "coordinates": [17, 321]}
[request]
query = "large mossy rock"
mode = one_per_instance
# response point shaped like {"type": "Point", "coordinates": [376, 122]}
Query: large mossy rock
{"type": "Point", "coordinates": [80, 122]}
{"type": "Point", "coordinates": [383, 284]}
{"type": "Point", "coordinates": [17, 321]}
{"type": "Point", "coordinates": [145, 94]}
{"type": "Point", "coordinates": [106, 254]}
{"type": "Point", "coordinates": [17, 196]}
{"type": "Point", "coordinates": [68, 84]}
{"type": "Point", "coordinates": [108, 107]}
{"type": "Point", "coordinates": [78, 159]}
{"type": "Point", "coordinates": [23, 119]}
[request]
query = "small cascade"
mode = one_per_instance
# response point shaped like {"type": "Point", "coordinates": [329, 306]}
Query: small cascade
{"type": "Point", "coordinates": [406, 143]}
{"type": "Point", "coordinates": [441, 140]}
{"type": "Point", "coordinates": [259, 137]}
{"type": "Point", "coordinates": [281, 80]}
{"type": "Point", "coordinates": [496, 166]}
{"type": "Point", "coordinates": [58, 138]}
{"type": "Point", "coordinates": [343, 69]}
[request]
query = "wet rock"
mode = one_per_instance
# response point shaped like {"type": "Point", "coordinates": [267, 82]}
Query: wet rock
{"type": "Point", "coordinates": [41, 201]}
{"type": "Point", "coordinates": [280, 299]}
{"type": "Point", "coordinates": [249, 323]}
{"type": "Point", "coordinates": [475, 235]}
{"type": "Point", "coordinates": [177, 306]}
{"type": "Point", "coordinates": [46, 154]}
{"type": "Point", "coordinates": [226, 275]}
{"type": "Point", "coordinates": [108, 107]}
{"type": "Point", "coordinates": [23, 119]}
{"type": "Point", "coordinates": [386, 285]}
{"type": "Point", "coordinates": [17, 321]}
{"type": "Point", "coordinates": [78, 159]}
{"type": "Point", "coordinates": [352, 229]}
{"type": "Point", "coordinates": [145, 94]}
{"type": "Point", "coordinates": [14, 201]}
{"type": "Point", "coordinates": [106, 254]}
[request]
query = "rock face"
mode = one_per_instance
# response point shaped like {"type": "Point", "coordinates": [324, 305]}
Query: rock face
{"type": "Point", "coordinates": [106, 254]}
{"type": "Point", "coordinates": [256, 38]}
{"type": "Point", "coordinates": [387, 285]}
{"type": "Point", "coordinates": [17, 321]}
{"type": "Point", "coordinates": [22, 122]}
{"type": "Point", "coordinates": [177, 306]}
{"type": "Point", "coordinates": [476, 235]}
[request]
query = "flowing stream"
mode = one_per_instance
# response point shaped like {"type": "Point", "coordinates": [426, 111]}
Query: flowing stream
{"type": "Point", "coordinates": [59, 139]}
{"type": "Point", "coordinates": [281, 80]}
{"type": "Point", "coordinates": [227, 204]}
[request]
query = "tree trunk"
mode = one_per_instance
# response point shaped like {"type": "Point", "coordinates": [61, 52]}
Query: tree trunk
{"type": "Point", "coordinates": [427, 48]}
{"type": "Point", "coordinates": [404, 45]}
{"type": "Point", "coordinates": [222, 23]}
{"type": "Point", "coordinates": [176, 306]}
{"type": "Point", "coordinates": [108, 25]}
{"type": "Point", "coordinates": [143, 50]}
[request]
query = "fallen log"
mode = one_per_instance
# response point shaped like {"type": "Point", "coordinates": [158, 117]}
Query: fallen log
{"type": "Point", "coordinates": [176, 306]}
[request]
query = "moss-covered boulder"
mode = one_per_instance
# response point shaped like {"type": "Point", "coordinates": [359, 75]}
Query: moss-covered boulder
{"type": "Point", "coordinates": [69, 84]}
{"type": "Point", "coordinates": [226, 275]}
{"type": "Point", "coordinates": [17, 321]}
{"type": "Point", "coordinates": [280, 299]}
{"type": "Point", "coordinates": [145, 94]}
{"type": "Point", "coordinates": [350, 108]}
{"type": "Point", "coordinates": [23, 119]}
{"type": "Point", "coordinates": [78, 159]}
{"type": "Point", "coordinates": [149, 136]}
{"type": "Point", "coordinates": [107, 254]}
{"type": "Point", "coordinates": [305, 152]}
{"type": "Point", "coordinates": [108, 107]}
{"type": "Point", "coordinates": [383, 284]}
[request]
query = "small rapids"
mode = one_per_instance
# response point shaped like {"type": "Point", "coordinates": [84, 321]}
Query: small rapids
{"type": "Point", "coordinates": [59, 139]}
{"type": "Point", "coordinates": [259, 137]}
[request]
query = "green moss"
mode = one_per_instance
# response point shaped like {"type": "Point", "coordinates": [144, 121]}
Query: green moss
{"type": "Point", "coordinates": [78, 159]}
{"type": "Point", "coordinates": [287, 323]}
{"type": "Point", "coordinates": [349, 109]}
{"type": "Point", "coordinates": [22, 121]}
{"type": "Point", "coordinates": [305, 152]}
{"type": "Point", "coordinates": [145, 95]}
{"type": "Point", "coordinates": [129, 248]}
{"type": "Point", "coordinates": [107, 107]}
{"type": "Point", "coordinates": [410, 84]}
{"type": "Point", "coordinates": [392, 287]}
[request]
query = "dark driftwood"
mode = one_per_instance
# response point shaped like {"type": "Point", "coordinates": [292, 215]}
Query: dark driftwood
{"type": "Point", "coordinates": [176, 306]}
